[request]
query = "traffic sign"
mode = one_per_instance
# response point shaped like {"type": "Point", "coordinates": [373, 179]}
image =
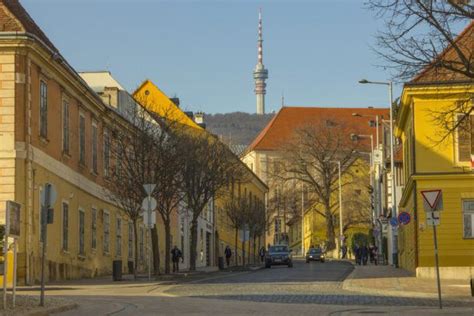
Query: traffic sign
{"type": "Point", "coordinates": [149, 188]}
{"type": "Point", "coordinates": [431, 197]}
{"type": "Point", "coordinates": [432, 218]}
{"type": "Point", "coordinates": [52, 195]}
{"type": "Point", "coordinates": [152, 221]}
{"type": "Point", "coordinates": [394, 221]}
{"type": "Point", "coordinates": [378, 157]}
{"type": "Point", "coordinates": [404, 218]}
{"type": "Point", "coordinates": [149, 203]}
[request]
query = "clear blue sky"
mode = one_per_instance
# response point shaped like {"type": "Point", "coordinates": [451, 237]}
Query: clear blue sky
{"type": "Point", "coordinates": [205, 51]}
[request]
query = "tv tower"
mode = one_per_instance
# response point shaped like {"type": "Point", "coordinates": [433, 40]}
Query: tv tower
{"type": "Point", "coordinates": [260, 74]}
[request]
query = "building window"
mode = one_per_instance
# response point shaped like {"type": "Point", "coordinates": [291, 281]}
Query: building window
{"type": "Point", "coordinates": [106, 153]}
{"type": "Point", "coordinates": [94, 229]}
{"type": "Point", "coordinates": [468, 215]}
{"type": "Point", "coordinates": [43, 109]}
{"type": "Point", "coordinates": [65, 126]}
{"type": "Point", "coordinates": [94, 147]}
{"type": "Point", "coordinates": [465, 138]}
{"type": "Point", "coordinates": [65, 232]}
{"type": "Point", "coordinates": [81, 232]}
{"type": "Point", "coordinates": [118, 238]}
{"type": "Point", "coordinates": [106, 232]}
{"type": "Point", "coordinates": [142, 243]}
{"type": "Point", "coordinates": [130, 240]}
{"type": "Point", "coordinates": [82, 139]}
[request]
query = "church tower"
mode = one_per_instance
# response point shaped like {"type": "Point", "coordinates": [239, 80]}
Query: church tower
{"type": "Point", "coordinates": [260, 74]}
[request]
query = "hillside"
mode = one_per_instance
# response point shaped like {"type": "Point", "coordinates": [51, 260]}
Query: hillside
{"type": "Point", "coordinates": [237, 128]}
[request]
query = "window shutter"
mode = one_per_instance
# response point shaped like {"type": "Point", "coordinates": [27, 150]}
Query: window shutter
{"type": "Point", "coordinates": [464, 139]}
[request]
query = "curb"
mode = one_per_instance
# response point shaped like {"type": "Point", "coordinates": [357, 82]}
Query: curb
{"type": "Point", "coordinates": [347, 285]}
{"type": "Point", "coordinates": [53, 310]}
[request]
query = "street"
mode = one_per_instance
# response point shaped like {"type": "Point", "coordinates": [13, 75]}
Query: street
{"type": "Point", "coordinates": [306, 288]}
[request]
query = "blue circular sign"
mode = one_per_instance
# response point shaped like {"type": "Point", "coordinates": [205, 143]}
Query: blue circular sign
{"type": "Point", "coordinates": [393, 221]}
{"type": "Point", "coordinates": [404, 218]}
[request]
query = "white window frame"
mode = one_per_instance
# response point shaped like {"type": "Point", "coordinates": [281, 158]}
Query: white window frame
{"type": "Point", "coordinates": [94, 217]}
{"type": "Point", "coordinates": [106, 232]}
{"type": "Point", "coordinates": [95, 147]}
{"type": "Point", "coordinates": [118, 236]}
{"type": "Point", "coordinates": [456, 144]}
{"type": "Point", "coordinates": [82, 139]}
{"type": "Point", "coordinates": [66, 145]}
{"type": "Point", "coordinates": [464, 213]}
{"type": "Point", "coordinates": [81, 211]}
{"type": "Point", "coordinates": [65, 241]}
{"type": "Point", "coordinates": [106, 152]}
{"type": "Point", "coordinates": [43, 124]}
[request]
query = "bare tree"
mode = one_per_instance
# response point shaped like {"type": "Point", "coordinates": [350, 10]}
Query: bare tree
{"type": "Point", "coordinates": [209, 166]}
{"type": "Point", "coordinates": [418, 33]}
{"type": "Point", "coordinates": [310, 157]}
{"type": "Point", "coordinates": [235, 208]}
{"type": "Point", "coordinates": [131, 150]}
{"type": "Point", "coordinates": [421, 38]}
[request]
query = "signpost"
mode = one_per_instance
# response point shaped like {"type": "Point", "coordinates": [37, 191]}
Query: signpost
{"type": "Point", "coordinates": [48, 197]}
{"type": "Point", "coordinates": [12, 229]}
{"type": "Point", "coordinates": [149, 218]}
{"type": "Point", "coordinates": [433, 203]}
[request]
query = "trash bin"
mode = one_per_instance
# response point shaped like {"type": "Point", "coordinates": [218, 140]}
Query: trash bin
{"type": "Point", "coordinates": [117, 270]}
{"type": "Point", "coordinates": [220, 262]}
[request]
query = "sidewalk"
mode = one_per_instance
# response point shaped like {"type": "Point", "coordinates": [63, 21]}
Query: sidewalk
{"type": "Point", "coordinates": [387, 280]}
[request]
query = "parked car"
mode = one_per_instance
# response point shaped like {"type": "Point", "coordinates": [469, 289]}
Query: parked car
{"type": "Point", "coordinates": [315, 254]}
{"type": "Point", "coordinates": [278, 255]}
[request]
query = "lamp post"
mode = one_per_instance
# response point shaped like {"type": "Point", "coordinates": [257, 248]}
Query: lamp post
{"type": "Point", "coordinates": [392, 159]}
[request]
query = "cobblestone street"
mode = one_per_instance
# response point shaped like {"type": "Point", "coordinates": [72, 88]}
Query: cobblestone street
{"type": "Point", "coordinates": [306, 288]}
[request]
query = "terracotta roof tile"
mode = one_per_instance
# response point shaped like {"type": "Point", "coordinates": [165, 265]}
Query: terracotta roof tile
{"type": "Point", "coordinates": [465, 42]}
{"type": "Point", "coordinates": [281, 128]}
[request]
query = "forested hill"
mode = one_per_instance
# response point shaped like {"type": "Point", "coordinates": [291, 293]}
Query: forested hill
{"type": "Point", "coordinates": [237, 128]}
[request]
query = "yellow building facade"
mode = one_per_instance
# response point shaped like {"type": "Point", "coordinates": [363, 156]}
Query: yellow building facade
{"type": "Point", "coordinates": [429, 164]}
{"type": "Point", "coordinates": [52, 130]}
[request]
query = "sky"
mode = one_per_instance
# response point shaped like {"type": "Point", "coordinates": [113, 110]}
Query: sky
{"type": "Point", "coordinates": [204, 52]}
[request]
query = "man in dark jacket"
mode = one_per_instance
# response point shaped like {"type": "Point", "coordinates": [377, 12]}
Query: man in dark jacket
{"type": "Point", "coordinates": [262, 254]}
{"type": "Point", "coordinates": [175, 256]}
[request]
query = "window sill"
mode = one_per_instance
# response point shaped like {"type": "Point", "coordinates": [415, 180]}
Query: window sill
{"type": "Point", "coordinates": [94, 173]}
{"type": "Point", "coordinates": [44, 140]}
{"type": "Point", "coordinates": [81, 257]}
{"type": "Point", "coordinates": [82, 165]}
{"type": "Point", "coordinates": [64, 252]}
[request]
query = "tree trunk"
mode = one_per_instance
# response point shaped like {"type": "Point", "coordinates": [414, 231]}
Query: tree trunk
{"type": "Point", "coordinates": [330, 233]}
{"type": "Point", "coordinates": [168, 245]}
{"type": "Point", "coordinates": [135, 252]}
{"type": "Point", "coordinates": [236, 245]}
{"type": "Point", "coordinates": [248, 256]}
{"type": "Point", "coordinates": [254, 246]}
{"type": "Point", "coordinates": [193, 246]}
{"type": "Point", "coordinates": [155, 244]}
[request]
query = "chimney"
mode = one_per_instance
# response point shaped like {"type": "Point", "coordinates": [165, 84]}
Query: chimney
{"type": "Point", "coordinates": [175, 100]}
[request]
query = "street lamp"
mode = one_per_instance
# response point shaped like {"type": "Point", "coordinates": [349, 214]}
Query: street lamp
{"type": "Point", "coordinates": [376, 125]}
{"type": "Point", "coordinates": [392, 159]}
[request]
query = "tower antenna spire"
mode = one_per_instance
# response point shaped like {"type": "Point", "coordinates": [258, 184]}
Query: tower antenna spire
{"type": "Point", "coordinates": [260, 74]}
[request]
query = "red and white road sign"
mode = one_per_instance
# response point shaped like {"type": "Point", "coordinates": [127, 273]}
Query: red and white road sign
{"type": "Point", "coordinates": [431, 197]}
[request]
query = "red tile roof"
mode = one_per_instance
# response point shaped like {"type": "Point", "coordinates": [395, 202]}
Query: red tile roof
{"type": "Point", "coordinates": [465, 43]}
{"type": "Point", "coordinates": [27, 24]}
{"type": "Point", "coordinates": [281, 128]}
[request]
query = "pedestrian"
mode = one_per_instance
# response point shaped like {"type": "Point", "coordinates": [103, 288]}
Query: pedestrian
{"type": "Point", "coordinates": [364, 254]}
{"type": "Point", "coordinates": [357, 254]}
{"type": "Point", "coordinates": [344, 251]}
{"type": "Point", "coordinates": [176, 254]}
{"type": "Point", "coordinates": [262, 254]}
{"type": "Point", "coordinates": [228, 254]}
{"type": "Point", "coordinates": [375, 254]}
{"type": "Point", "coordinates": [371, 253]}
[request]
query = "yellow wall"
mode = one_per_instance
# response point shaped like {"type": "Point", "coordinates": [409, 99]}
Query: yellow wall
{"type": "Point", "coordinates": [436, 167]}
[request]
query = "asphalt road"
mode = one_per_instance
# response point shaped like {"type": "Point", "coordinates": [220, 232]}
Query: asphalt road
{"type": "Point", "coordinates": [314, 288]}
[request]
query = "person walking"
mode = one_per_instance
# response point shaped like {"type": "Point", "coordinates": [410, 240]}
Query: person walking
{"type": "Point", "coordinates": [228, 255]}
{"type": "Point", "coordinates": [357, 254]}
{"type": "Point", "coordinates": [364, 254]}
{"type": "Point", "coordinates": [262, 254]}
{"type": "Point", "coordinates": [176, 254]}
{"type": "Point", "coordinates": [344, 251]}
